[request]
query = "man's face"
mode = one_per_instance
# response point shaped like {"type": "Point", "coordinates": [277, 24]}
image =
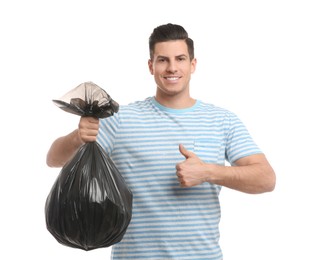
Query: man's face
{"type": "Point", "coordinates": [172, 67]}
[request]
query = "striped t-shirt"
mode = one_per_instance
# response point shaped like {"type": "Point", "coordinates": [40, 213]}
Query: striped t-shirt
{"type": "Point", "coordinates": [168, 221]}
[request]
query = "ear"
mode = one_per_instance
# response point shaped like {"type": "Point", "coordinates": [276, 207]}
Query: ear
{"type": "Point", "coordinates": [150, 66]}
{"type": "Point", "coordinates": [193, 64]}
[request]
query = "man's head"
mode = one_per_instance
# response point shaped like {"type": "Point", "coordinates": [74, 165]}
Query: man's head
{"type": "Point", "coordinates": [171, 63]}
{"type": "Point", "coordinates": [170, 32]}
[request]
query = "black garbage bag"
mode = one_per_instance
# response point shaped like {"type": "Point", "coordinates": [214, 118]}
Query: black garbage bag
{"type": "Point", "coordinates": [89, 205]}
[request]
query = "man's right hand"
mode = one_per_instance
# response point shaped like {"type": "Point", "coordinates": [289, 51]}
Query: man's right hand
{"type": "Point", "coordinates": [88, 129]}
{"type": "Point", "coordinates": [64, 147]}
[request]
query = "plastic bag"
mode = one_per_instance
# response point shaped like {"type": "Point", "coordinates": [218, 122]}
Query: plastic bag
{"type": "Point", "coordinates": [89, 205]}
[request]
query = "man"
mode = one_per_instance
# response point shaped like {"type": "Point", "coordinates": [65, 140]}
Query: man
{"type": "Point", "coordinates": [171, 150]}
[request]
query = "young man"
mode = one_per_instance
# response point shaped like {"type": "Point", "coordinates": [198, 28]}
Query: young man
{"type": "Point", "coordinates": [171, 150]}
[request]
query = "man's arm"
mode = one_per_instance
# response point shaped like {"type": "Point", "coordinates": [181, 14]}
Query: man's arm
{"type": "Point", "coordinates": [63, 148]}
{"type": "Point", "coordinates": [250, 174]}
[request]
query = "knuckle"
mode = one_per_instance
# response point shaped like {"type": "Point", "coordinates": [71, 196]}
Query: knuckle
{"type": "Point", "coordinates": [178, 167]}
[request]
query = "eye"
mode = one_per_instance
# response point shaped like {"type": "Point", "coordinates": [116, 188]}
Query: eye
{"type": "Point", "coordinates": [160, 60]}
{"type": "Point", "coordinates": [182, 58]}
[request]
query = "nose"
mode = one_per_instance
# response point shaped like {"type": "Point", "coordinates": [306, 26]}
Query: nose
{"type": "Point", "coordinates": [172, 67]}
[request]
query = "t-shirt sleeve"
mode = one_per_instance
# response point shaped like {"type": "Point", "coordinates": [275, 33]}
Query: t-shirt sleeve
{"type": "Point", "coordinates": [239, 142]}
{"type": "Point", "coordinates": [107, 132]}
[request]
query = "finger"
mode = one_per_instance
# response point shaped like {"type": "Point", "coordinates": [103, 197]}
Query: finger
{"type": "Point", "coordinates": [187, 154]}
{"type": "Point", "coordinates": [90, 120]}
{"type": "Point", "coordinates": [93, 119]}
{"type": "Point", "coordinates": [89, 123]}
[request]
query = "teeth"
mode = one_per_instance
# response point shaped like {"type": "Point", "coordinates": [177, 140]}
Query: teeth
{"type": "Point", "coordinates": [172, 78]}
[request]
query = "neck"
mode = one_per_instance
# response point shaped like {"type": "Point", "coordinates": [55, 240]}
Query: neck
{"type": "Point", "coordinates": [175, 101]}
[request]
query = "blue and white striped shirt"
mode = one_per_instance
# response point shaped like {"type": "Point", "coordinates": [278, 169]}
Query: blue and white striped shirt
{"type": "Point", "coordinates": [168, 221]}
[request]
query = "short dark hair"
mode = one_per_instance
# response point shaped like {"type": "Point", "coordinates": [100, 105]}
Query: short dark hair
{"type": "Point", "coordinates": [170, 32]}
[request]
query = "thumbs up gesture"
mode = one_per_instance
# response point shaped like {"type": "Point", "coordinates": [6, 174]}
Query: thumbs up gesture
{"type": "Point", "coordinates": [191, 171]}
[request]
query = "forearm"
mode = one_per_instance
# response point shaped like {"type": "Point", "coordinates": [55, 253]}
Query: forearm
{"type": "Point", "coordinates": [254, 178]}
{"type": "Point", "coordinates": [62, 149]}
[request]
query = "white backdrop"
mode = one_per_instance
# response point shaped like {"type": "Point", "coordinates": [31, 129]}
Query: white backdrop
{"type": "Point", "coordinates": [260, 59]}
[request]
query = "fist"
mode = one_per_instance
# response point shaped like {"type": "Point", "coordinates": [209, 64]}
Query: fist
{"type": "Point", "coordinates": [88, 129]}
{"type": "Point", "coordinates": [191, 171]}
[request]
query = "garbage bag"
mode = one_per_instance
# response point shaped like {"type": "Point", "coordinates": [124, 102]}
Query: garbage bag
{"type": "Point", "coordinates": [90, 205]}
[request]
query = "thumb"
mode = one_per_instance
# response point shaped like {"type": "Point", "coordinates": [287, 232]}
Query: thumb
{"type": "Point", "coordinates": [187, 154]}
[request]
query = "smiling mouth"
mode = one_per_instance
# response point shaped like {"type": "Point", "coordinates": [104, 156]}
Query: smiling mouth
{"type": "Point", "coordinates": [171, 78]}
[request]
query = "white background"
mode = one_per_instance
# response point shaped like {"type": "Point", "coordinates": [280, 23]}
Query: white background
{"type": "Point", "coordinates": [260, 59]}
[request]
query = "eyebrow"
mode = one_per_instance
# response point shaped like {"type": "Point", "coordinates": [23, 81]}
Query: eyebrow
{"type": "Point", "coordinates": [165, 57]}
